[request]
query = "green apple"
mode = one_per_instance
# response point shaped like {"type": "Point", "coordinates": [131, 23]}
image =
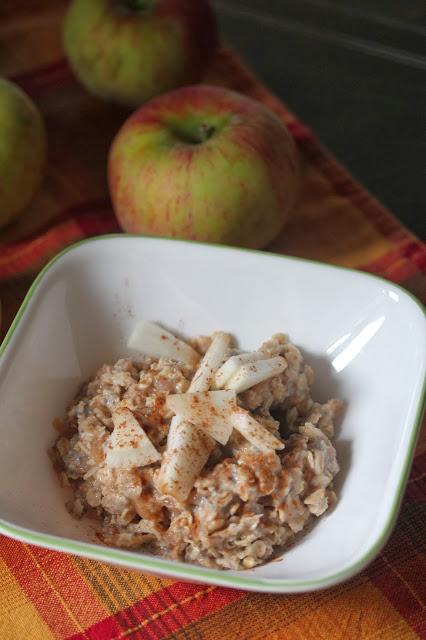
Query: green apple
{"type": "Point", "coordinates": [204, 163]}
{"type": "Point", "coordinates": [22, 150]}
{"type": "Point", "coordinates": [128, 51]}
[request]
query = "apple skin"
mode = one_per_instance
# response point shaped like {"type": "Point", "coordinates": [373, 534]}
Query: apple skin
{"type": "Point", "coordinates": [204, 163]}
{"type": "Point", "coordinates": [22, 150]}
{"type": "Point", "coordinates": [128, 55]}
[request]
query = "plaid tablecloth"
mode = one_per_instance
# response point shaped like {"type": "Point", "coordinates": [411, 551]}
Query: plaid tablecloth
{"type": "Point", "coordinates": [47, 595]}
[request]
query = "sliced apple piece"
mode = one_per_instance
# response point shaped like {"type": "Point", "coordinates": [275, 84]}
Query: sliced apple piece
{"type": "Point", "coordinates": [252, 373]}
{"type": "Point", "coordinates": [128, 445]}
{"type": "Point", "coordinates": [231, 366]}
{"type": "Point", "coordinates": [212, 360]}
{"type": "Point", "coordinates": [200, 382]}
{"type": "Point", "coordinates": [205, 372]}
{"type": "Point", "coordinates": [173, 425]}
{"type": "Point", "coordinates": [254, 432]}
{"type": "Point", "coordinates": [187, 452]}
{"type": "Point", "coordinates": [156, 342]}
{"type": "Point", "coordinates": [209, 411]}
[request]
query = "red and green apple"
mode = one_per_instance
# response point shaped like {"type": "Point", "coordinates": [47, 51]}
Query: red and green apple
{"type": "Point", "coordinates": [128, 51]}
{"type": "Point", "coordinates": [204, 163]}
{"type": "Point", "coordinates": [22, 150]}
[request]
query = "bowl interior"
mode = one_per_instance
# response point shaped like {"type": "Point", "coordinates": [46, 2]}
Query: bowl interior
{"type": "Point", "coordinates": [362, 336]}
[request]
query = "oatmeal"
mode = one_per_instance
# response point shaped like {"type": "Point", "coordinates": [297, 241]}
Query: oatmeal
{"type": "Point", "coordinates": [199, 452]}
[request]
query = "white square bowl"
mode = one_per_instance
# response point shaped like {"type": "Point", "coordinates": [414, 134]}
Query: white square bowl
{"type": "Point", "coordinates": [365, 338]}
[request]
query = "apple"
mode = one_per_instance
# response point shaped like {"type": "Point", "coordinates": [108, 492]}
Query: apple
{"type": "Point", "coordinates": [128, 51]}
{"type": "Point", "coordinates": [22, 150]}
{"type": "Point", "coordinates": [204, 163]}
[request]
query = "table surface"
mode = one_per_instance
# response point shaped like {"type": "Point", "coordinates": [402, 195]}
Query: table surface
{"type": "Point", "coordinates": [355, 72]}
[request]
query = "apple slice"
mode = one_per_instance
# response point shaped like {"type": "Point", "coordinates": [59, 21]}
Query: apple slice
{"type": "Point", "coordinates": [187, 452]}
{"type": "Point", "coordinates": [231, 366]}
{"type": "Point", "coordinates": [254, 432]}
{"type": "Point", "coordinates": [210, 363]}
{"type": "Point", "coordinates": [205, 372]}
{"type": "Point", "coordinates": [209, 411]}
{"type": "Point", "coordinates": [252, 373]}
{"type": "Point", "coordinates": [155, 342]}
{"type": "Point", "coordinates": [128, 445]}
{"type": "Point", "coordinates": [201, 382]}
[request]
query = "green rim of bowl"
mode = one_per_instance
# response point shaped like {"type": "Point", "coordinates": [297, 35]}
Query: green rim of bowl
{"type": "Point", "coordinates": [193, 572]}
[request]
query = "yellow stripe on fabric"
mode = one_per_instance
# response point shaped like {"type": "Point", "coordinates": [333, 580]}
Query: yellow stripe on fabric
{"type": "Point", "coordinates": [118, 596]}
{"type": "Point", "coordinates": [145, 584]}
{"type": "Point", "coordinates": [122, 586]}
{"type": "Point", "coordinates": [355, 611]}
{"type": "Point", "coordinates": [19, 618]}
{"type": "Point", "coordinates": [356, 614]}
{"type": "Point", "coordinates": [328, 227]}
{"type": "Point", "coordinates": [138, 585]}
{"type": "Point", "coordinates": [92, 572]}
{"type": "Point", "coordinates": [118, 588]}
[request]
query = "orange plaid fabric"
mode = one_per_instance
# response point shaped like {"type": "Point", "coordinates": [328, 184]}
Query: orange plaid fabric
{"type": "Point", "coordinates": [47, 595]}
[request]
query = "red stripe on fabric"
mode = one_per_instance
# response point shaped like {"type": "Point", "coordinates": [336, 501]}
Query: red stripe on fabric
{"type": "Point", "coordinates": [416, 252]}
{"type": "Point", "coordinates": [300, 132]}
{"type": "Point", "coordinates": [27, 256]}
{"type": "Point", "coordinates": [32, 567]}
{"type": "Point", "coordinates": [91, 225]}
{"type": "Point", "coordinates": [418, 255]}
{"type": "Point", "coordinates": [399, 592]}
{"type": "Point", "coordinates": [388, 259]}
{"type": "Point", "coordinates": [36, 87]}
{"type": "Point", "coordinates": [400, 271]}
{"type": "Point", "coordinates": [149, 608]}
{"type": "Point", "coordinates": [416, 487]}
{"type": "Point", "coordinates": [99, 206]}
{"type": "Point", "coordinates": [185, 603]}
{"type": "Point", "coordinates": [58, 65]}
{"type": "Point", "coordinates": [52, 75]}
{"type": "Point", "coordinates": [162, 600]}
{"type": "Point", "coordinates": [416, 491]}
{"type": "Point", "coordinates": [401, 263]}
{"type": "Point", "coordinates": [193, 603]}
{"type": "Point", "coordinates": [419, 466]}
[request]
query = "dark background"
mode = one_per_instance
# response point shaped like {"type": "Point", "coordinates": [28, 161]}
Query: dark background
{"type": "Point", "coordinates": [355, 72]}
